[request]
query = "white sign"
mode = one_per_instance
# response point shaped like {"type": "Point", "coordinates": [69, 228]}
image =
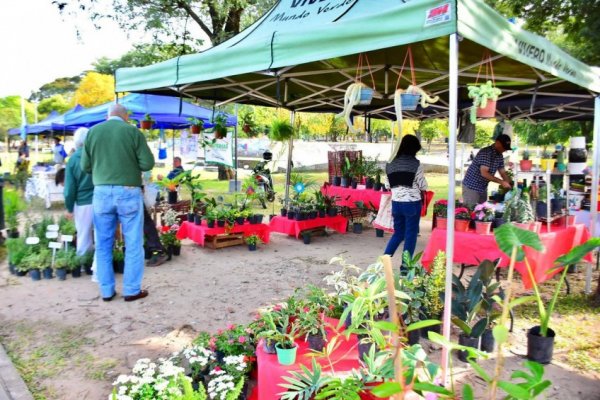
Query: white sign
{"type": "Point", "coordinates": [66, 238]}
{"type": "Point", "coordinates": [53, 228]}
{"type": "Point", "coordinates": [32, 240]}
{"type": "Point", "coordinates": [55, 245]}
{"type": "Point", "coordinates": [219, 151]}
{"type": "Point", "coordinates": [438, 14]}
{"type": "Point", "coordinates": [51, 235]}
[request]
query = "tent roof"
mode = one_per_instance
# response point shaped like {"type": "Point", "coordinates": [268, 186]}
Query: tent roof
{"type": "Point", "coordinates": [163, 109]}
{"type": "Point", "coordinates": [303, 54]}
{"type": "Point", "coordinates": [48, 124]}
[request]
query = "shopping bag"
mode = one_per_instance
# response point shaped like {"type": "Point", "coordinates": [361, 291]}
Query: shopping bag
{"type": "Point", "coordinates": [426, 197]}
{"type": "Point", "coordinates": [384, 219]}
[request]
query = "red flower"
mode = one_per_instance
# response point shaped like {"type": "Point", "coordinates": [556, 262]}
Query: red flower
{"type": "Point", "coordinates": [217, 368]}
{"type": "Point", "coordinates": [249, 359]}
{"type": "Point", "coordinates": [165, 228]}
{"type": "Point", "coordinates": [331, 307]}
{"type": "Point", "coordinates": [442, 201]}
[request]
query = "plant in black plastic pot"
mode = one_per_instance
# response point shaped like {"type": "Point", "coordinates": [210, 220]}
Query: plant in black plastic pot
{"type": "Point", "coordinates": [312, 326]}
{"type": "Point", "coordinates": [492, 295]}
{"type": "Point", "coordinates": [13, 205]}
{"type": "Point", "coordinates": [61, 263]}
{"type": "Point", "coordinates": [252, 241]}
{"type": "Point", "coordinates": [466, 305]}
{"type": "Point", "coordinates": [346, 169]}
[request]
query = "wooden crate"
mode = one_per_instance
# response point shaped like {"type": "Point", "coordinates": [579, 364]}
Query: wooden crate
{"type": "Point", "coordinates": [220, 241]}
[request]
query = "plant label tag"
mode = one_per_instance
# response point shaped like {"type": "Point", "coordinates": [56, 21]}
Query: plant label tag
{"type": "Point", "coordinates": [32, 240]}
{"type": "Point", "coordinates": [51, 235]}
{"type": "Point", "coordinates": [66, 238]}
{"type": "Point", "coordinates": [55, 245]}
{"type": "Point", "coordinates": [53, 228]}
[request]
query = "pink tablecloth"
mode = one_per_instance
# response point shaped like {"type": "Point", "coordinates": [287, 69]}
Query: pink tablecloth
{"type": "Point", "coordinates": [270, 372]}
{"type": "Point", "coordinates": [347, 196]}
{"type": "Point", "coordinates": [198, 233]}
{"type": "Point", "coordinates": [470, 248]}
{"type": "Point", "coordinates": [294, 228]}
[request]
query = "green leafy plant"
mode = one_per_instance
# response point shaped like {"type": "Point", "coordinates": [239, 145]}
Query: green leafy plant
{"type": "Point", "coordinates": [148, 117]}
{"type": "Point", "coordinates": [303, 384]}
{"type": "Point", "coordinates": [13, 205]}
{"type": "Point", "coordinates": [196, 122]}
{"type": "Point", "coordinates": [17, 250]}
{"type": "Point", "coordinates": [434, 282]}
{"type": "Point", "coordinates": [526, 155]}
{"type": "Point", "coordinates": [466, 306]}
{"type": "Point", "coordinates": [281, 130]}
{"type": "Point", "coordinates": [518, 207]}
{"type": "Point", "coordinates": [283, 333]}
{"type": "Point", "coordinates": [118, 255]}
{"type": "Point", "coordinates": [481, 95]}
{"type": "Point", "coordinates": [310, 322]}
{"type": "Point", "coordinates": [253, 240]}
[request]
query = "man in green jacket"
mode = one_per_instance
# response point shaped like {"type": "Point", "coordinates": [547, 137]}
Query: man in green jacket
{"type": "Point", "coordinates": [116, 153]}
{"type": "Point", "coordinates": [78, 192]}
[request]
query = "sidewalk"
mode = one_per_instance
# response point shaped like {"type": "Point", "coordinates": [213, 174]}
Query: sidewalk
{"type": "Point", "coordinates": [12, 386]}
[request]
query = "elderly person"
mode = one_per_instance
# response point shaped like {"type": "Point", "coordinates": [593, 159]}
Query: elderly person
{"type": "Point", "coordinates": [407, 180]}
{"type": "Point", "coordinates": [78, 192]}
{"type": "Point", "coordinates": [116, 153]}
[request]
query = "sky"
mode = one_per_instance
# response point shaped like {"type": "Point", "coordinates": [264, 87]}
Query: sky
{"type": "Point", "coordinates": [38, 45]}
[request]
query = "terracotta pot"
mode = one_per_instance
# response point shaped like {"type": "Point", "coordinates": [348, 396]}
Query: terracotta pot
{"type": "Point", "coordinates": [441, 223]}
{"type": "Point", "coordinates": [525, 165]}
{"type": "Point", "coordinates": [488, 112]}
{"type": "Point", "coordinates": [195, 129]}
{"type": "Point", "coordinates": [461, 225]}
{"type": "Point", "coordinates": [483, 228]}
{"type": "Point", "coordinates": [146, 124]}
{"type": "Point", "coordinates": [246, 128]}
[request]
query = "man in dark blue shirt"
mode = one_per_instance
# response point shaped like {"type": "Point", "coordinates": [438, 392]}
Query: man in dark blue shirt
{"type": "Point", "coordinates": [488, 161]}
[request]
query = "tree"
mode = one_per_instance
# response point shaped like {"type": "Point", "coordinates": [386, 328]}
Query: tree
{"type": "Point", "coordinates": [432, 129]}
{"type": "Point", "coordinates": [65, 87]}
{"type": "Point", "coordinates": [95, 89]}
{"type": "Point", "coordinates": [10, 114]}
{"type": "Point", "coordinates": [218, 19]}
{"type": "Point", "coordinates": [551, 133]}
{"type": "Point", "coordinates": [572, 24]}
{"type": "Point", "coordinates": [484, 130]}
{"type": "Point", "coordinates": [55, 103]}
{"type": "Point", "coordinates": [141, 55]}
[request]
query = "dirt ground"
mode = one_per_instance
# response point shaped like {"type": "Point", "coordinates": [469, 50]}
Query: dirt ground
{"type": "Point", "coordinates": [78, 344]}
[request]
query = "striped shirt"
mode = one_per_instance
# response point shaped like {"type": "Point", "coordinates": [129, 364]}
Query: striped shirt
{"type": "Point", "coordinates": [487, 157]}
{"type": "Point", "coordinates": [400, 191]}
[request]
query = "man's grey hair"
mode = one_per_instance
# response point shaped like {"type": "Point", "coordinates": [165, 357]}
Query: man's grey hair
{"type": "Point", "coordinates": [79, 137]}
{"type": "Point", "coordinates": [117, 110]}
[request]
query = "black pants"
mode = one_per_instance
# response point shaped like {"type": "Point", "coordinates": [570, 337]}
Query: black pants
{"type": "Point", "coordinates": [152, 243]}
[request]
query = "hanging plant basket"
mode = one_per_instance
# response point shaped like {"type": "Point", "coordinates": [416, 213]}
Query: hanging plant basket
{"type": "Point", "coordinates": [489, 111]}
{"type": "Point", "coordinates": [146, 124]}
{"type": "Point", "coordinates": [410, 101]}
{"type": "Point", "coordinates": [195, 129]}
{"type": "Point", "coordinates": [366, 96]}
{"type": "Point", "coordinates": [246, 128]}
{"type": "Point", "coordinates": [281, 130]}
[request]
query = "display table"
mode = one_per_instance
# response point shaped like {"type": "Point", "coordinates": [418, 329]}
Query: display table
{"type": "Point", "coordinates": [41, 184]}
{"type": "Point", "coordinates": [470, 248]}
{"type": "Point", "coordinates": [270, 373]}
{"type": "Point", "coordinates": [348, 196]}
{"type": "Point", "coordinates": [198, 233]}
{"type": "Point", "coordinates": [294, 228]}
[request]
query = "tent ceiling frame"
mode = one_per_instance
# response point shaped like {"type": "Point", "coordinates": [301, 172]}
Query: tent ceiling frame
{"type": "Point", "coordinates": [250, 92]}
{"type": "Point", "coordinates": [545, 110]}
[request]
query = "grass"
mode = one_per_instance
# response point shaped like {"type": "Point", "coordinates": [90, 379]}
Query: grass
{"type": "Point", "coordinates": [42, 350]}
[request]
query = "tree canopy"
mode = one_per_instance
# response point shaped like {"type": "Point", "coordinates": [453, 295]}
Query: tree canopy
{"type": "Point", "coordinates": [65, 87]}
{"type": "Point", "coordinates": [10, 113]}
{"type": "Point", "coordinates": [141, 55]}
{"type": "Point", "coordinates": [95, 89]}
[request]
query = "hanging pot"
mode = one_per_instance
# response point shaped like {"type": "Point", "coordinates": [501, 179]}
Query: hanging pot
{"type": "Point", "coordinates": [410, 101]}
{"type": "Point", "coordinates": [489, 111]}
{"type": "Point", "coordinates": [146, 124]}
{"type": "Point", "coordinates": [195, 129]}
{"type": "Point", "coordinates": [172, 197]}
{"type": "Point", "coordinates": [366, 95]}
{"type": "Point", "coordinates": [162, 153]}
{"type": "Point", "coordinates": [540, 348]}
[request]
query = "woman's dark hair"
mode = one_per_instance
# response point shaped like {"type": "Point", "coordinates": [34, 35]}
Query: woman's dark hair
{"type": "Point", "coordinates": [59, 178]}
{"type": "Point", "coordinates": [409, 146]}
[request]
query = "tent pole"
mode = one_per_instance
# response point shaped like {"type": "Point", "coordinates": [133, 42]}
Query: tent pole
{"type": "Point", "coordinates": [235, 151]}
{"type": "Point", "coordinates": [288, 171]}
{"type": "Point", "coordinates": [453, 101]}
{"type": "Point", "coordinates": [595, 173]}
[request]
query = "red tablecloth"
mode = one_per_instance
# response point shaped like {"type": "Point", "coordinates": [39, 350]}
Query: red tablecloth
{"type": "Point", "coordinates": [270, 372]}
{"type": "Point", "coordinates": [294, 228]}
{"type": "Point", "coordinates": [470, 248]}
{"type": "Point", "coordinates": [347, 196]}
{"type": "Point", "coordinates": [197, 233]}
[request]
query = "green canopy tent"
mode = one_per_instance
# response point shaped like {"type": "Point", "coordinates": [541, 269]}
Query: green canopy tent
{"type": "Point", "coordinates": [303, 54]}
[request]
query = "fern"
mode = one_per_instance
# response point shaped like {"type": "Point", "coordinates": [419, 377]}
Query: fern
{"type": "Point", "coordinates": [235, 393]}
{"type": "Point", "coordinates": [188, 390]}
{"type": "Point", "coordinates": [302, 385]}
{"type": "Point", "coordinates": [338, 389]}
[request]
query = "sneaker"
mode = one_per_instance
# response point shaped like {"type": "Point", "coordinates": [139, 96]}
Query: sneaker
{"type": "Point", "coordinates": [157, 259]}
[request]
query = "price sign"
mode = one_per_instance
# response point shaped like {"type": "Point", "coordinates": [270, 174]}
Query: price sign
{"type": "Point", "coordinates": [55, 245]}
{"type": "Point", "coordinates": [51, 235]}
{"type": "Point", "coordinates": [32, 240]}
{"type": "Point", "coordinates": [53, 228]}
{"type": "Point", "coordinates": [66, 238]}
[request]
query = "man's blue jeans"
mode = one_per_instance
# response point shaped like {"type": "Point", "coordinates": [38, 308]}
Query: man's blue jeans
{"type": "Point", "coordinates": [123, 204]}
{"type": "Point", "coordinates": [406, 226]}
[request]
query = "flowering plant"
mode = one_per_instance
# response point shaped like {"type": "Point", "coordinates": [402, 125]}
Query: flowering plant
{"type": "Point", "coordinates": [222, 385]}
{"type": "Point", "coordinates": [440, 208]}
{"type": "Point", "coordinates": [237, 366]}
{"type": "Point", "coordinates": [484, 212]}
{"type": "Point", "coordinates": [234, 341]}
{"type": "Point", "coordinates": [462, 213]}
{"type": "Point", "coordinates": [199, 358]}
{"type": "Point", "coordinates": [168, 235]}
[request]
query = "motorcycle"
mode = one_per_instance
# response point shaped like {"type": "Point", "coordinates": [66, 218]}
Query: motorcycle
{"type": "Point", "coordinates": [262, 177]}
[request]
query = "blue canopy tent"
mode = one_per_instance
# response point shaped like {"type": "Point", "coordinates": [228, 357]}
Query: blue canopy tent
{"type": "Point", "coordinates": [164, 110]}
{"type": "Point", "coordinates": [52, 123]}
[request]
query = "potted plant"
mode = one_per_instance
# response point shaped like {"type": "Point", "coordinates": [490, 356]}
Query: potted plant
{"type": "Point", "coordinates": [434, 282]}
{"type": "Point", "coordinates": [31, 264]}
{"type": "Point", "coordinates": [13, 205]}
{"type": "Point", "coordinates": [147, 122]}
{"type": "Point", "coordinates": [86, 260]}
{"type": "Point", "coordinates": [281, 130]}
{"type": "Point", "coordinates": [61, 263]}
{"type": "Point", "coordinates": [484, 98]}
{"type": "Point", "coordinates": [17, 250]}
{"type": "Point", "coordinates": [73, 264]}
{"type": "Point", "coordinates": [484, 216]}
{"type": "Point", "coordinates": [462, 219]}
{"type": "Point", "coordinates": [525, 164]}
{"type": "Point", "coordinates": [440, 211]}
{"type": "Point", "coordinates": [310, 323]}
{"type": "Point", "coordinates": [252, 241]}
{"type": "Point", "coordinates": [171, 186]}
{"type": "Point", "coordinates": [248, 124]}
{"type": "Point", "coordinates": [491, 293]}
{"type": "Point", "coordinates": [346, 172]}
{"type": "Point", "coordinates": [283, 339]}
{"type": "Point", "coordinates": [45, 263]}
{"type": "Point", "coordinates": [546, 163]}
{"type": "Point", "coordinates": [466, 303]}
{"type": "Point", "coordinates": [220, 125]}
{"type": "Point", "coordinates": [196, 125]}
{"type": "Point", "coordinates": [517, 209]}
{"type": "Point", "coordinates": [377, 185]}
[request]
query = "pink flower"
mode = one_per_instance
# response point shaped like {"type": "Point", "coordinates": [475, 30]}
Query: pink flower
{"type": "Point", "coordinates": [217, 368]}
{"type": "Point", "coordinates": [230, 341]}
{"type": "Point", "coordinates": [242, 339]}
{"type": "Point", "coordinates": [220, 332]}
{"type": "Point", "coordinates": [277, 308]}
{"type": "Point", "coordinates": [249, 331]}
{"type": "Point", "coordinates": [231, 327]}
{"type": "Point", "coordinates": [442, 201]}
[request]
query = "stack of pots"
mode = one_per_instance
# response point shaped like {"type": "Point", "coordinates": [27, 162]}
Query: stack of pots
{"type": "Point", "coordinates": [577, 155]}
